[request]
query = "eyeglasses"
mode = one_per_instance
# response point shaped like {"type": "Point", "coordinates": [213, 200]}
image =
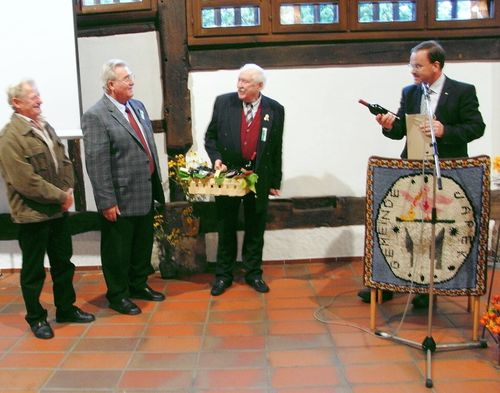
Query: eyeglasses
{"type": "Point", "coordinates": [415, 67]}
{"type": "Point", "coordinates": [128, 79]}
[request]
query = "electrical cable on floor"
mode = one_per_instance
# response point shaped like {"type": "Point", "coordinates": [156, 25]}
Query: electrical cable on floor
{"type": "Point", "coordinates": [317, 314]}
{"type": "Point", "coordinates": [341, 322]}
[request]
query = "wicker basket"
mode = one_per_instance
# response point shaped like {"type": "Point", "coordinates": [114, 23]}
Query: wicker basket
{"type": "Point", "coordinates": [229, 187]}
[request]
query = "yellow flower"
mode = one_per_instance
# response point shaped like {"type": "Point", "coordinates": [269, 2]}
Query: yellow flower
{"type": "Point", "coordinates": [496, 164]}
{"type": "Point", "coordinates": [491, 318]}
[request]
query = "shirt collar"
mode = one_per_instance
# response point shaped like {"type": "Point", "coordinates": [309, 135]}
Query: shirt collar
{"type": "Point", "coordinates": [255, 104]}
{"type": "Point", "coordinates": [438, 84]}
{"type": "Point", "coordinates": [119, 105]}
{"type": "Point", "coordinates": [29, 120]}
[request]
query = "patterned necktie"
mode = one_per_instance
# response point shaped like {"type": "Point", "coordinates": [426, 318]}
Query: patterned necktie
{"type": "Point", "coordinates": [248, 113]}
{"type": "Point", "coordinates": [432, 101]}
{"type": "Point", "coordinates": [138, 132]}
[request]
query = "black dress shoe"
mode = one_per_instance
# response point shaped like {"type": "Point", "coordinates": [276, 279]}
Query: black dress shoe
{"type": "Point", "coordinates": [365, 295]}
{"type": "Point", "coordinates": [258, 284]}
{"type": "Point", "coordinates": [147, 293]}
{"type": "Point", "coordinates": [125, 306]}
{"type": "Point", "coordinates": [42, 329]}
{"type": "Point", "coordinates": [76, 315]}
{"type": "Point", "coordinates": [219, 287]}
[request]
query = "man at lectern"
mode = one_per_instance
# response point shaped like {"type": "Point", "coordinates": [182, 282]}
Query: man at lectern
{"type": "Point", "coordinates": [455, 109]}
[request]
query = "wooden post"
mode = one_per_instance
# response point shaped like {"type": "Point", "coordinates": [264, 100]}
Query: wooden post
{"type": "Point", "coordinates": [175, 68]}
{"type": "Point", "coordinates": [373, 307]}
{"type": "Point", "coordinates": [75, 155]}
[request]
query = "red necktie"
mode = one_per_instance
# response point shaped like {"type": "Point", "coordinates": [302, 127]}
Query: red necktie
{"type": "Point", "coordinates": [138, 132]}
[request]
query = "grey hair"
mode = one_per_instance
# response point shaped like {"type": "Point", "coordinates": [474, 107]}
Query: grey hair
{"type": "Point", "coordinates": [108, 71]}
{"type": "Point", "coordinates": [258, 74]}
{"type": "Point", "coordinates": [17, 90]}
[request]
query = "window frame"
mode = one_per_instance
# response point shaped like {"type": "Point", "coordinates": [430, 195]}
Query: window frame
{"type": "Point", "coordinates": [196, 18]}
{"type": "Point", "coordinates": [277, 27]}
{"type": "Point", "coordinates": [462, 23]}
{"type": "Point", "coordinates": [348, 28]}
{"type": "Point", "coordinates": [144, 5]}
{"type": "Point", "coordinates": [418, 24]}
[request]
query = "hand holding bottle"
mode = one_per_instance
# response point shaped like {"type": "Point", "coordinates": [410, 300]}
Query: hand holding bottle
{"type": "Point", "coordinates": [376, 109]}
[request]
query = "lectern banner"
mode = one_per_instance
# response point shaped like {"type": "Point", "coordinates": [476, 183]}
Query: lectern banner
{"type": "Point", "coordinates": [401, 225]}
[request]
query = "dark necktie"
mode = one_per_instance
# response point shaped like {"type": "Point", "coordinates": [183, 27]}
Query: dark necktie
{"type": "Point", "coordinates": [138, 132]}
{"type": "Point", "coordinates": [248, 113]}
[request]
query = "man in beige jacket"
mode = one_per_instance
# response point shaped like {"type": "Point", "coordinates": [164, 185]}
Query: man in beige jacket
{"type": "Point", "coordinates": [39, 180]}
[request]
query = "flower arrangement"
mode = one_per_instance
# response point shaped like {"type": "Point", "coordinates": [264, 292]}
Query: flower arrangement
{"type": "Point", "coordinates": [197, 179]}
{"type": "Point", "coordinates": [175, 233]}
{"type": "Point", "coordinates": [496, 164]}
{"type": "Point", "coordinates": [495, 177]}
{"type": "Point", "coordinates": [491, 318]}
{"type": "Point", "coordinates": [173, 237]}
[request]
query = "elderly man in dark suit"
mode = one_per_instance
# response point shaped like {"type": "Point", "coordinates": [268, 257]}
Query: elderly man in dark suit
{"type": "Point", "coordinates": [457, 120]}
{"type": "Point", "coordinates": [122, 163]}
{"type": "Point", "coordinates": [246, 130]}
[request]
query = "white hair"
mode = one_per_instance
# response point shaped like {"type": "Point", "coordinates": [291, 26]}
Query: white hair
{"type": "Point", "coordinates": [17, 90]}
{"type": "Point", "coordinates": [257, 72]}
{"type": "Point", "coordinates": [108, 71]}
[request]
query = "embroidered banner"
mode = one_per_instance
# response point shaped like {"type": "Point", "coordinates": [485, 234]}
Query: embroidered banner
{"type": "Point", "coordinates": [399, 223]}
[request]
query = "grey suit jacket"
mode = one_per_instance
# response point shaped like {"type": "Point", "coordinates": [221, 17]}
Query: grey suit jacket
{"type": "Point", "coordinates": [116, 161]}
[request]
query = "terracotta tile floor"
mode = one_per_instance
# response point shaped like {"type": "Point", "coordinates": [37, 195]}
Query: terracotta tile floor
{"type": "Point", "coordinates": [308, 335]}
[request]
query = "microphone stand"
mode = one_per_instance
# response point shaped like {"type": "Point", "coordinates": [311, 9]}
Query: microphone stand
{"type": "Point", "coordinates": [428, 345]}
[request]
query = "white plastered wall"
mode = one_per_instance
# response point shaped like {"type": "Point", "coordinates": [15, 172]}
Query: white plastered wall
{"type": "Point", "coordinates": [328, 135]}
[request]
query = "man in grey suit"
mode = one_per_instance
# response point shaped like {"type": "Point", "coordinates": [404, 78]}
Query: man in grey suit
{"type": "Point", "coordinates": [122, 163]}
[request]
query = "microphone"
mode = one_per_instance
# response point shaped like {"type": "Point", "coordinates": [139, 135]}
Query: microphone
{"type": "Point", "coordinates": [425, 89]}
{"type": "Point", "coordinates": [376, 109]}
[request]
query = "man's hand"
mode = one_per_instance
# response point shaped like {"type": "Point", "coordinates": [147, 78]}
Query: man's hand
{"type": "Point", "coordinates": [386, 121]}
{"type": "Point", "coordinates": [274, 192]}
{"type": "Point", "coordinates": [111, 213]}
{"type": "Point", "coordinates": [68, 201]}
{"type": "Point", "coordinates": [436, 124]}
{"type": "Point", "coordinates": [219, 166]}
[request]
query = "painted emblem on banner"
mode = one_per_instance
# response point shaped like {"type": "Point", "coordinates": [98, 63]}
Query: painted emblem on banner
{"type": "Point", "coordinates": [404, 228]}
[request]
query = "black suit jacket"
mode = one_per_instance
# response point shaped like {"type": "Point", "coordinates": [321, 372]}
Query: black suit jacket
{"type": "Point", "coordinates": [457, 110]}
{"type": "Point", "coordinates": [223, 140]}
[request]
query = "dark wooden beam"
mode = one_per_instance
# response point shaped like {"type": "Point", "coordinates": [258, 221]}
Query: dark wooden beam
{"type": "Point", "coordinates": [175, 67]}
{"type": "Point", "coordinates": [75, 155]}
{"type": "Point", "coordinates": [344, 53]}
{"type": "Point", "coordinates": [107, 30]}
{"type": "Point", "coordinates": [293, 213]}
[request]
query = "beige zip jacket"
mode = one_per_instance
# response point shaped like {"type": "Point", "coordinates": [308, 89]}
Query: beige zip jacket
{"type": "Point", "coordinates": [35, 189]}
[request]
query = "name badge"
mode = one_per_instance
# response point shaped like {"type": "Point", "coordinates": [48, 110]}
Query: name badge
{"type": "Point", "coordinates": [263, 134]}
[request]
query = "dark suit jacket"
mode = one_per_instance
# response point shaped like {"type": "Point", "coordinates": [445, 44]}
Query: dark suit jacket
{"type": "Point", "coordinates": [223, 140]}
{"type": "Point", "coordinates": [457, 110]}
{"type": "Point", "coordinates": [116, 161]}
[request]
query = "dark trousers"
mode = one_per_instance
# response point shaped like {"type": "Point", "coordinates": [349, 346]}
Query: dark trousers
{"type": "Point", "coordinates": [35, 239]}
{"type": "Point", "coordinates": [126, 246]}
{"type": "Point", "coordinates": [253, 241]}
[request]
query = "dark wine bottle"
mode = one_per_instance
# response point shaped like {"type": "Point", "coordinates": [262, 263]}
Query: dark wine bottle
{"type": "Point", "coordinates": [376, 109]}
